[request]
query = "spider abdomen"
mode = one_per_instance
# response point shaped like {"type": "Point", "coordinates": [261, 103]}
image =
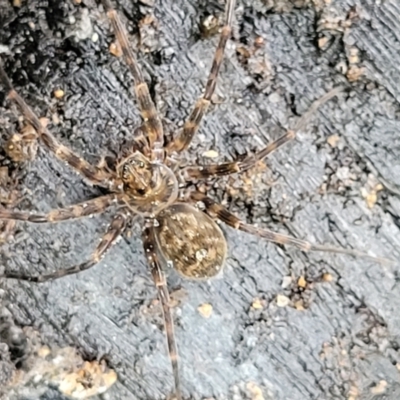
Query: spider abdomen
{"type": "Point", "coordinates": [191, 241]}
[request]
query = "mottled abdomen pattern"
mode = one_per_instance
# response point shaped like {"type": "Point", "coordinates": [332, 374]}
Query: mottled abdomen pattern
{"type": "Point", "coordinates": [191, 241]}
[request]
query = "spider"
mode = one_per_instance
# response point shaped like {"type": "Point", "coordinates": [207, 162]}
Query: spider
{"type": "Point", "coordinates": [149, 181]}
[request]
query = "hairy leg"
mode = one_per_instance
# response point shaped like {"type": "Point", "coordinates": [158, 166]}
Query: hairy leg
{"type": "Point", "coordinates": [149, 245]}
{"type": "Point", "coordinates": [183, 139]}
{"type": "Point", "coordinates": [208, 171]}
{"type": "Point", "coordinates": [217, 211]}
{"type": "Point", "coordinates": [93, 174]}
{"type": "Point", "coordinates": [228, 168]}
{"type": "Point", "coordinates": [90, 207]}
{"type": "Point", "coordinates": [115, 229]}
{"type": "Point", "coordinates": [152, 122]}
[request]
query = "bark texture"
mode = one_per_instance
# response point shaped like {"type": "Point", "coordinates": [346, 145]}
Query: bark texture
{"type": "Point", "coordinates": [338, 183]}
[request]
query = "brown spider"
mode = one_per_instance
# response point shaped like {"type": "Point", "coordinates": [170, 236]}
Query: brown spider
{"type": "Point", "coordinates": [179, 227]}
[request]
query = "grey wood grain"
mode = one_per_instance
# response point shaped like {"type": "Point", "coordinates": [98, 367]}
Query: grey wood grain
{"type": "Point", "coordinates": [347, 340]}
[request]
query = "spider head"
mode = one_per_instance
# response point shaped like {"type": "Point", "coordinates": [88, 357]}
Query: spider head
{"type": "Point", "coordinates": [136, 173]}
{"type": "Point", "coordinates": [149, 186]}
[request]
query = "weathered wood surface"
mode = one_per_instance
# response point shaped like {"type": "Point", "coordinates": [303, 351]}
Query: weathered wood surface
{"type": "Point", "coordinates": [346, 343]}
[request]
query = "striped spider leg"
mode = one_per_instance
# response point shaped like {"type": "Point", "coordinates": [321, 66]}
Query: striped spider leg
{"type": "Point", "coordinates": [193, 172]}
{"type": "Point", "coordinates": [152, 122]}
{"type": "Point", "coordinates": [94, 175]}
{"type": "Point", "coordinates": [114, 231]}
{"type": "Point", "coordinates": [156, 269]}
{"type": "Point", "coordinates": [182, 141]}
{"type": "Point", "coordinates": [219, 212]}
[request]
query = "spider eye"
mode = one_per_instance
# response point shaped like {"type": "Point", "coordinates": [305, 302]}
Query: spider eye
{"type": "Point", "coordinates": [141, 164]}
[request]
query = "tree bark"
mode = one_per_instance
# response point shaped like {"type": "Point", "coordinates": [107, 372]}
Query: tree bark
{"type": "Point", "coordinates": [338, 184]}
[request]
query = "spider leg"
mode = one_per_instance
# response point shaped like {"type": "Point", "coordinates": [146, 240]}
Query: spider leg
{"type": "Point", "coordinates": [114, 231]}
{"type": "Point", "coordinates": [152, 122]}
{"type": "Point", "coordinates": [215, 210]}
{"type": "Point", "coordinates": [94, 175]}
{"type": "Point", "coordinates": [90, 207]}
{"type": "Point", "coordinates": [228, 168]}
{"type": "Point", "coordinates": [206, 171]}
{"type": "Point", "coordinates": [183, 139]}
{"type": "Point", "coordinates": [149, 245]}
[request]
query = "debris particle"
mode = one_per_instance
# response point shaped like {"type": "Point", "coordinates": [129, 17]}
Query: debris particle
{"type": "Point", "coordinates": [149, 34]}
{"type": "Point", "coordinates": [60, 367]}
{"type": "Point", "coordinates": [177, 296]}
{"type": "Point", "coordinates": [379, 388]}
{"type": "Point", "coordinates": [211, 154]}
{"type": "Point", "coordinates": [299, 305]}
{"type": "Point", "coordinates": [371, 199]}
{"type": "Point", "coordinates": [4, 178]}
{"type": "Point", "coordinates": [55, 120]}
{"type": "Point", "coordinates": [209, 26]}
{"type": "Point", "coordinates": [286, 282]}
{"type": "Point", "coordinates": [342, 67]}
{"type": "Point", "coordinates": [353, 393]}
{"type": "Point", "coordinates": [205, 310]}
{"type": "Point", "coordinates": [353, 56]}
{"type": "Point", "coordinates": [4, 49]}
{"type": "Point", "coordinates": [282, 301]}
{"type": "Point", "coordinates": [301, 282]}
{"type": "Point", "coordinates": [327, 277]}
{"type": "Point", "coordinates": [243, 52]}
{"type": "Point", "coordinates": [23, 146]}
{"type": "Point", "coordinates": [115, 49]}
{"type": "Point", "coordinates": [354, 73]}
{"type": "Point", "coordinates": [255, 391]}
{"type": "Point", "coordinates": [148, 3]}
{"type": "Point", "coordinates": [83, 29]}
{"type": "Point", "coordinates": [370, 193]}
{"type": "Point", "coordinates": [343, 173]}
{"type": "Point", "coordinates": [258, 41]}
{"type": "Point", "coordinates": [43, 352]}
{"type": "Point", "coordinates": [257, 304]}
{"type": "Point", "coordinates": [333, 140]}
{"type": "Point", "coordinates": [59, 93]}
{"type": "Point", "coordinates": [322, 42]}
{"type": "Point", "coordinates": [91, 379]}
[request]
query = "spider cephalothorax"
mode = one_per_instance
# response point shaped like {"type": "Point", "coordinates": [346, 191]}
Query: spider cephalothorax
{"type": "Point", "coordinates": [148, 186]}
{"type": "Point", "coordinates": [184, 236]}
